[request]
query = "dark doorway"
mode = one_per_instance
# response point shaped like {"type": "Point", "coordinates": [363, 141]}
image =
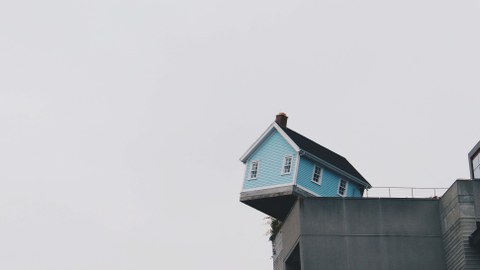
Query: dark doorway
{"type": "Point", "coordinates": [293, 261]}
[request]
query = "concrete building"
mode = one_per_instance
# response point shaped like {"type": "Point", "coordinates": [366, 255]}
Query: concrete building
{"type": "Point", "coordinates": [326, 227]}
{"type": "Point", "coordinates": [381, 233]}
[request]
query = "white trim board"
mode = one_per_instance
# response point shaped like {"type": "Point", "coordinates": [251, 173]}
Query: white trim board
{"type": "Point", "coordinates": [295, 173]}
{"type": "Point", "coordinates": [268, 187]}
{"type": "Point", "coordinates": [308, 190]}
{"type": "Point", "coordinates": [261, 139]}
{"type": "Point", "coordinates": [286, 137]}
{"type": "Point", "coordinates": [254, 146]}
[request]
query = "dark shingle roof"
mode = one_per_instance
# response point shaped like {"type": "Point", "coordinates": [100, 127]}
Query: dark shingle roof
{"type": "Point", "coordinates": [323, 153]}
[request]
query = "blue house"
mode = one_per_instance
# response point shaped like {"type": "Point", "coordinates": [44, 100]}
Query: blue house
{"type": "Point", "coordinates": [283, 165]}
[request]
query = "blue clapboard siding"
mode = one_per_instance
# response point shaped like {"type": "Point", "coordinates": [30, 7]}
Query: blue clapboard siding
{"type": "Point", "coordinates": [354, 190]}
{"type": "Point", "coordinates": [270, 157]}
{"type": "Point", "coordinates": [329, 184]}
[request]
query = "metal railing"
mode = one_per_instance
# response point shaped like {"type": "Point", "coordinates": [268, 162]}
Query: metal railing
{"type": "Point", "coordinates": [404, 192]}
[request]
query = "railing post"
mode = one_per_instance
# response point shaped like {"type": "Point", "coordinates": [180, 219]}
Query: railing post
{"type": "Point", "coordinates": [389, 193]}
{"type": "Point", "coordinates": [412, 193]}
{"type": "Point", "coordinates": [434, 192]}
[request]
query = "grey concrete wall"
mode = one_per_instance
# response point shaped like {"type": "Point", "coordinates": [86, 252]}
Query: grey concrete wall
{"type": "Point", "coordinates": [357, 234]}
{"type": "Point", "coordinates": [367, 233]}
{"type": "Point", "coordinates": [371, 234]}
{"type": "Point", "coordinates": [287, 238]}
{"type": "Point", "coordinates": [459, 211]}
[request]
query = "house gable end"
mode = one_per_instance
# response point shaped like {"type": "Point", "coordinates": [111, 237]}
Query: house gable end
{"type": "Point", "coordinates": [269, 158]}
{"type": "Point", "coordinates": [265, 135]}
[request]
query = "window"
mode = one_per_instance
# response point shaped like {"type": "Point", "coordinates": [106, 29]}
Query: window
{"type": "Point", "coordinates": [317, 175]}
{"type": "Point", "coordinates": [287, 165]}
{"type": "Point", "coordinates": [476, 166]}
{"type": "Point", "coordinates": [342, 188]}
{"type": "Point", "coordinates": [253, 170]}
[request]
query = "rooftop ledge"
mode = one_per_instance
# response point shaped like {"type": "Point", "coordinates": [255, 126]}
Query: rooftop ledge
{"type": "Point", "coordinates": [278, 201]}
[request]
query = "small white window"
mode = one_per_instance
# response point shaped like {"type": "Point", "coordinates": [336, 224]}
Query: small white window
{"type": "Point", "coordinates": [317, 175]}
{"type": "Point", "coordinates": [253, 170]}
{"type": "Point", "coordinates": [342, 188]}
{"type": "Point", "coordinates": [287, 165]}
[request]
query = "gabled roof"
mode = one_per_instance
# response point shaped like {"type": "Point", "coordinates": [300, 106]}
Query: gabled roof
{"type": "Point", "coordinates": [314, 150]}
{"type": "Point", "coordinates": [323, 153]}
{"type": "Point", "coordinates": [274, 126]}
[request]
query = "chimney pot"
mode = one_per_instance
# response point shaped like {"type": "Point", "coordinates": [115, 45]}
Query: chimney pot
{"type": "Point", "coordinates": [281, 119]}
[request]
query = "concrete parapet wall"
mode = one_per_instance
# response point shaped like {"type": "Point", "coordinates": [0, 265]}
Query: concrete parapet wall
{"type": "Point", "coordinates": [386, 233]}
{"type": "Point", "coordinates": [366, 234]}
{"type": "Point", "coordinates": [371, 234]}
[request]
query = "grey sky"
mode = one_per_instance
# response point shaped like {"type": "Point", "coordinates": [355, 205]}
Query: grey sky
{"type": "Point", "coordinates": [122, 121]}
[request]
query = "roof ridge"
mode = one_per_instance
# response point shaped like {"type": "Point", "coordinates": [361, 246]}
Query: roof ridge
{"type": "Point", "coordinates": [315, 142]}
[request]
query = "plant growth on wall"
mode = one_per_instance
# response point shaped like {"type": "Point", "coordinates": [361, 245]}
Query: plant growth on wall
{"type": "Point", "coordinates": [275, 226]}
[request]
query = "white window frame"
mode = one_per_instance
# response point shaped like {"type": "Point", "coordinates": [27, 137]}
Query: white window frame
{"type": "Point", "coordinates": [476, 165]}
{"type": "Point", "coordinates": [251, 169]}
{"type": "Point", "coordinates": [285, 164]}
{"type": "Point", "coordinates": [345, 192]}
{"type": "Point", "coordinates": [320, 175]}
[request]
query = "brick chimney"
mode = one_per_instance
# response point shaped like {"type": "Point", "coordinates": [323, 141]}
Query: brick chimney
{"type": "Point", "coordinates": [281, 119]}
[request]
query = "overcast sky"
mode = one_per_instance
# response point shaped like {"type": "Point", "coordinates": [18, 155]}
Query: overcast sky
{"type": "Point", "coordinates": [122, 122]}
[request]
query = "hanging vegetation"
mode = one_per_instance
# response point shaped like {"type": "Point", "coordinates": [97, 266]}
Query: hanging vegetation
{"type": "Point", "coordinates": [275, 226]}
